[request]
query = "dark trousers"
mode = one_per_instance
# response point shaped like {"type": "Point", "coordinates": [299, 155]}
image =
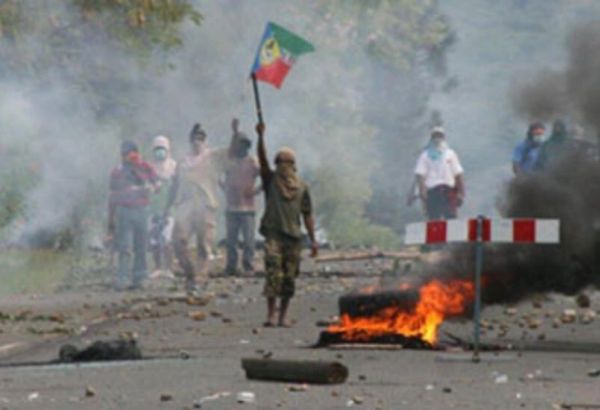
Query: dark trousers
{"type": "Point", "coordinates": [441, 203]}
{"type": "Point", "coordinates": [244, 223]}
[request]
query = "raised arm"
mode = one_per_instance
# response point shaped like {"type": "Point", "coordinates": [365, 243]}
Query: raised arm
{"type": "Point", "coordinates": [235, 124]}
{"type": "Point", "coordinates": [263, 160]}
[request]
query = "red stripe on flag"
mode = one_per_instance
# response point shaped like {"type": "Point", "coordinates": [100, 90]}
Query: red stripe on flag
{"type": "Point", "coordinates": [273, 73]}
{"type": "Point", "coordinates": [487, 230]}
{"type": "Point", "coordinates": [436, 232]}
{"type": "Point", "coordinates": [524, 230]}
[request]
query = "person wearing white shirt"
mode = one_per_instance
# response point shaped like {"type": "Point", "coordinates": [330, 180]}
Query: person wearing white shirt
{"type": "Point", "coordinates": [439, 178]}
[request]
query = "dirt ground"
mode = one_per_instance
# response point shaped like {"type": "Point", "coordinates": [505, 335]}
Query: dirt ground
{"type": "Point", "coordinates": [194, 349]}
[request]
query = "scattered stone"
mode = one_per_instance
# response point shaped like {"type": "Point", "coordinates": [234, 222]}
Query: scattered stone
{"type": "Point", "coordinates": [33, 396]}
{"type": "Point", "coordinates": [447, 390]}
{"type": "Point", "coordinates": [296, 388]}
{"type": "Point", "coordinates": [255, 331]}
{"type": "Point", "coordinates": [358, 400]}
{"type": "Point", "coordinates": [533, 323]}
{"type": "Point", "coordinates": [197, 315]}
{"type": "Point", "coordinates": [568, 316]}
{"type": "Point", "coordinates": [196, 301]}
{"type": "Point", "coordinates": [166, 397]}
{"type": "Point", "coordinates": [184, 355]}
{"type": "Point", "coordinates": [583, 300]}
{"type": "Point", "coordinates": [362, 377]}
{"type": "Point", "coordinates": [246, 397]}
{"type": "Point", "coordinates": [541, 336]}
{"type": "Point", "coordinates": [587, 316]}
{"type": "Point", "coordinates": [501, 379]}
{"type": "Point", "coordinates": [556, 323]}
{"type": "Point", "coordinates": [90, 391]}
{"type": "Point", "coordinates": [429, 387]}
{"type": "Point", "coordinates": [510, 311]}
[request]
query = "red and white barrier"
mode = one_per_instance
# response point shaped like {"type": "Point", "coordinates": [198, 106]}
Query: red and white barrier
{"type": "Point", "coordinates": [542, 231]}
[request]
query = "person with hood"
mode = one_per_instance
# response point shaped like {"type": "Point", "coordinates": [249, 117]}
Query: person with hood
{"type": "Point", "coordinates": [439, 178]}
{"type": "Point", "coordinates": [526, 154]}
{"type": "Point", "coordinates": [556, 145]}
{"type": "Point", "coordinates": [287, 201]}
{"type": "Point", "coordinates": [131, 184]}
{"type": "Point", "coordinates": [194, 197]}
{"type": "Point", "coordinates": [161, 223]}
{"type": "Point", "coordinates": [240, 189]}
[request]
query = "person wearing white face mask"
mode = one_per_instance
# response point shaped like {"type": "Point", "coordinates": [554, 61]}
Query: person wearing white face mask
{"type": "Point", "coordinates": [439, 178]}
{"type": "Point", "coordinates": [161, 224]}
{"type": "Point", "coordinates": [526, 154]}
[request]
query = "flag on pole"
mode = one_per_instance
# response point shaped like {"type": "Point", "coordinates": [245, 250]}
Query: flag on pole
{"type": "Point", "coordinates": [277, 52]}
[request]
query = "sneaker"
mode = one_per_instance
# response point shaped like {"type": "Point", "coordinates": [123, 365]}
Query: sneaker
{"type": "Point", "coordinates": [190, 287]}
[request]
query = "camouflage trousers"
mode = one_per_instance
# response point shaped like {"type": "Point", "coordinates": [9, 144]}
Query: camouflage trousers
{"type": "Point", "coordinates": [282, 265]}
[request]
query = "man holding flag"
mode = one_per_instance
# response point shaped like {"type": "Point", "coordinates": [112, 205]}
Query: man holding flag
{"type": "Point", "coordinates": [287, 198]}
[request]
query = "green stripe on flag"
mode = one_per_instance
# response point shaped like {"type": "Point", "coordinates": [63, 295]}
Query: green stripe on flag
{"type": "Point", "coordinates": [293, 43]}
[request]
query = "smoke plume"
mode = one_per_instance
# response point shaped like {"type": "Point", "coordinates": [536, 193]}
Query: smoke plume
{"type": "Point", "coordinates": [567, 189]}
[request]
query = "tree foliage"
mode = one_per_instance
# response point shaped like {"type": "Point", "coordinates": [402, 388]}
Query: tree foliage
{"type": "Point", "coordinates": [75, 57]}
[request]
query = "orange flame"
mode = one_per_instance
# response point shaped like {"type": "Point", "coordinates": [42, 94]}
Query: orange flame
{"type": "Point", "coordinates": [437, 301]}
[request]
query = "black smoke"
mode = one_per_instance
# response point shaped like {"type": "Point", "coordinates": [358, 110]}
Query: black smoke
{"type": "Point", "coordinates": [568, 188]}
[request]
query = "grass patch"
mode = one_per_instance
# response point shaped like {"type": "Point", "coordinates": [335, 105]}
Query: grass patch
{"type": "Point", "coordinates": [32, 271]}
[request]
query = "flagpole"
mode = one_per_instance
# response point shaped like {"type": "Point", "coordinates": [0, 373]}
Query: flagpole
{"type": "Point", "coordinates": [257, 99]}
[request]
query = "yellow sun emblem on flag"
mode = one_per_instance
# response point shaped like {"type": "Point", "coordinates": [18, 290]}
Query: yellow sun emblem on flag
{"type": "Point", "coordinates": [270, 52]}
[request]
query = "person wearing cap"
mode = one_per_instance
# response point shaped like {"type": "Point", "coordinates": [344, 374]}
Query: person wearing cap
{"type": "Point", "coordinates": [131, 184]}
{"type": "Point", "coordinates": [526, 154]}
{"type": "Point", "coordinates": [161, 223]}
{"type": "Point", "coordinates": [194, 199]}
{"type": "Point", "coordinates": [439, 178]}
{"type": "Point", "coordinates": [240, 190]}
{"type": "Point", "coordinates": [287, 201]}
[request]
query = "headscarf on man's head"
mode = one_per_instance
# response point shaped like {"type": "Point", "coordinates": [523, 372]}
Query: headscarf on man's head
{"type": "Point", "coordinates": [128, 146]}
{"type": "Point", "coordinates": [166, 168]}
{"type": "Point", "coordinates": [285, 173]}
{"type": "Point", "coordinates": [559, 132]}
{"type": "Point", "coordinates": [130, 153]}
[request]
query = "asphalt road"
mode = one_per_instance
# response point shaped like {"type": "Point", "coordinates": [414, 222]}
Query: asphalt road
{"type": "Point", "coordinates": [542, 372]}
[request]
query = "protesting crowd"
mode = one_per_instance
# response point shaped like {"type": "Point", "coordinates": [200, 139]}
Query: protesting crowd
{"type": "Point", "coordinates": [170, 207]}
{"type": "Point", "coordinates": [439, 182]}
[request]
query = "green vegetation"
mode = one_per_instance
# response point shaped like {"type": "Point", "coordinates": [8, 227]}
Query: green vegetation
{"type": "Point", "coordinates": [32, 271]}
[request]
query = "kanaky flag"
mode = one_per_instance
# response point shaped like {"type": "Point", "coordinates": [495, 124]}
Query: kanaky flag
{"type": "Point", "coordinates": [278, 50]}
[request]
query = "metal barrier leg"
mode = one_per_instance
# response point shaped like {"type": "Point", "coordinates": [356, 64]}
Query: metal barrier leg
{"type": "Point", "coordinates": [478, 268]}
